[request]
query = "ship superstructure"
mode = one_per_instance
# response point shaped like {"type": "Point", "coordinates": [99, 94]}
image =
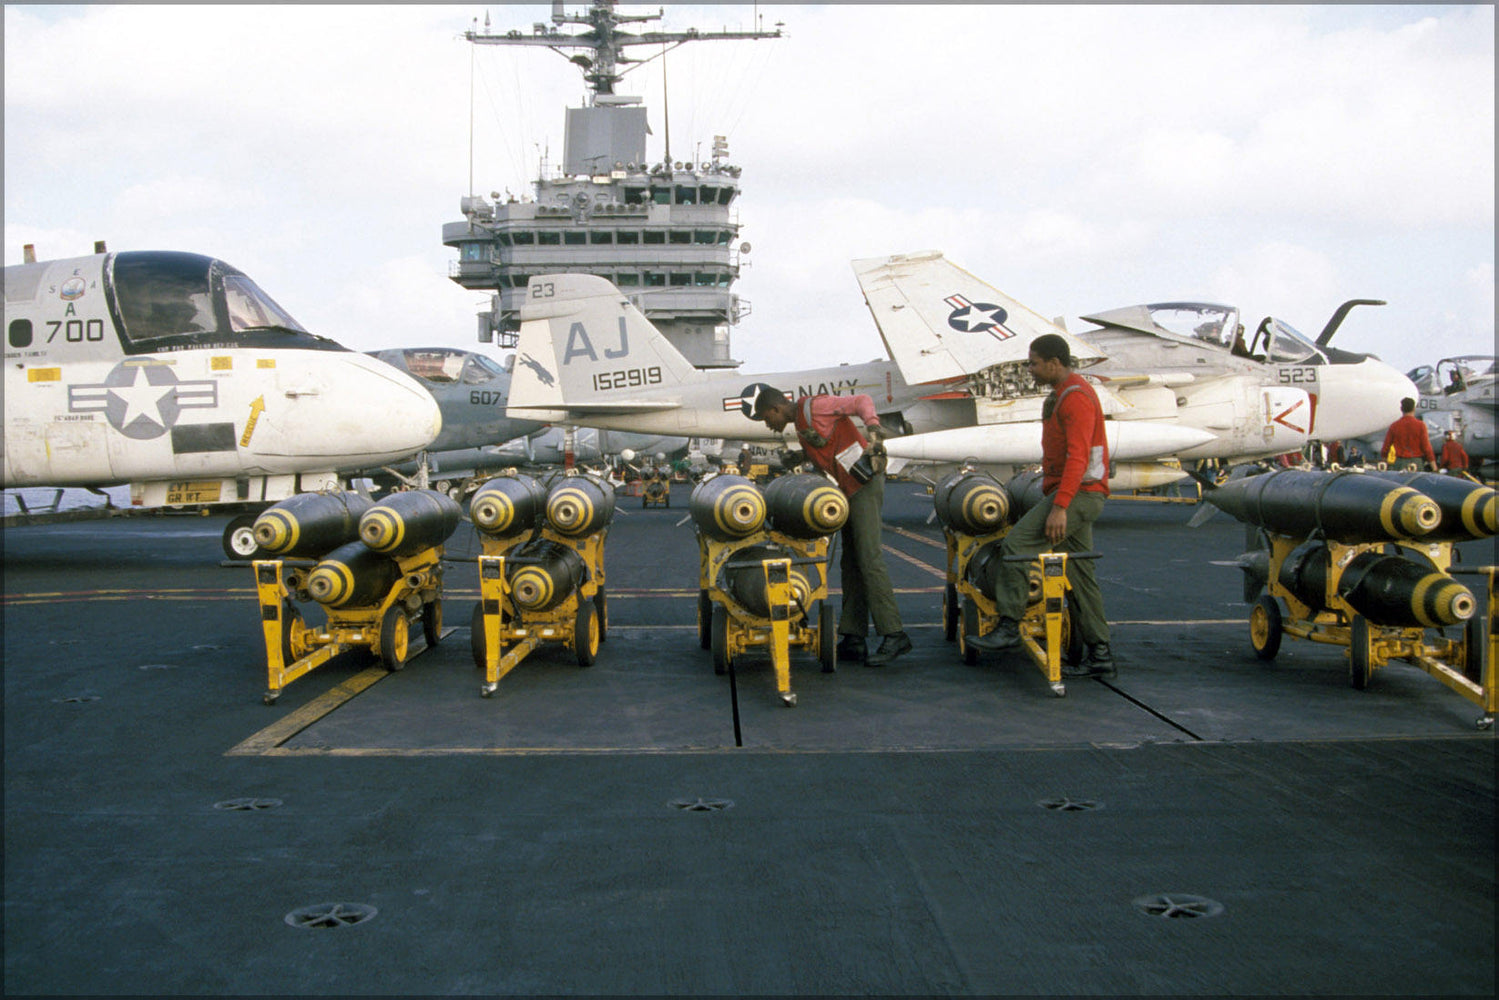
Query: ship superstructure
{"type": "Point", "coordinates": [665, 233]}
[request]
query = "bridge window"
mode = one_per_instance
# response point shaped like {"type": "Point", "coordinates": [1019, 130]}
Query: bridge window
{"type": "Point", "coordinates": [686, 195]}
{"type": "Point", "coordinates": [627, 279]}
{"type": "Point", "coordinates": [628, 236]}
{"type": "Point", "coordinates": [549, 239]}
{"type": "Point", "coordinates": [655, 236]}
{"type": "Point", "coordinates": [601, 236]}
{"type": "Point", "coordinates": [681, 236]}
{"type": "Point", "coordinates": [661, 195]}
{"type": "Point", "coordinates": [681, 279]}
{"type": "Point", "coordinates": [524, 238]}
{"type": "Point", "coordinates": [655, 279]}
{"type": "Point", "coordinates": [574, 238]}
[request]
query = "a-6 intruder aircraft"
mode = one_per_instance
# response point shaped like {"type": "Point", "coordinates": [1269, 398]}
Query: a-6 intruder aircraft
{"type": "Point", "coordinates": [472, 391]}
{"type": "Point", "coordinates": [1458, 394]}
{"type": "Point", "coordinates": [174, 373]}
{"type": "Point", "coordinates": [1175, 365]}
{"type": "Point", "coordinates": [587, 356]}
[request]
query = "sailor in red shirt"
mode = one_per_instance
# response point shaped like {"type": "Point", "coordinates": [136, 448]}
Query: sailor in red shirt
{"type": "Point", "coordinates": [833, 443]}
{"type": "Point", "coordinates": [1074, 478]}
{"type": "Point", "coordinates": [1410, 440]}
{"type": "Point", "coordinates": [1454, 456]}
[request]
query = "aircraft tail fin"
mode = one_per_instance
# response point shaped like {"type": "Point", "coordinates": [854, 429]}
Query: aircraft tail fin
{"type": "Point", "coordinates": [939, 321]}
{"type": "Point", "coordinates": [584, 346]}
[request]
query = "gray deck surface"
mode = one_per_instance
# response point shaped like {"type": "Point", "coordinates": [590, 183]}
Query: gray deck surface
{"type": "Point", "coordinates": [885, 836]}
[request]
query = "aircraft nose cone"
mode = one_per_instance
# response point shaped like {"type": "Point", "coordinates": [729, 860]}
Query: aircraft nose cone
{"type": "Point", "coordinates": [1360, 399]}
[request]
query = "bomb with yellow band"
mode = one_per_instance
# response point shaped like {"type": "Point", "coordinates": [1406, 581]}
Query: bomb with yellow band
{"type": "Point", "coordinates": [1469, 509]}
{"type": "Point", "coordinates": [508, 505]}
{"type": "Point", "coordinates": [352, 575]}
{"type": "Point", "coordinates": [1346, 507]}
{"type": "Point", "coordinates": [406, 523]}
{"type": "Point", "coordinates": [579, 505]}
{"type": "Point", "coordinates": [1388, 590]}
{"type": "Point", "coordinates": [309, 525]}
{"type": "Point", "coordinates": [805, 506]}
{"type": "Point", "coordinates": [725, 508]}
{"type": "Point", "coordinates": [971, 502]}
{"type": "Point", "coordinates": [542, 574]}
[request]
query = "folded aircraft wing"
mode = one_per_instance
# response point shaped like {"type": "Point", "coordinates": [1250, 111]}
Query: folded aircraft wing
{"type": "Point", "coordinates": [938, 321]}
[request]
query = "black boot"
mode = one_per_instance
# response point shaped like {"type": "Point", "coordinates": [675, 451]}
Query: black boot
{"type": "Point", "coordinates": [851, 648]}
{"type": "Point", "coordinates": [890, 647]}
{"type": "Point", "coordinates": [1098, 661]}
{"type": "Point", "coordinates": [1006, 635]}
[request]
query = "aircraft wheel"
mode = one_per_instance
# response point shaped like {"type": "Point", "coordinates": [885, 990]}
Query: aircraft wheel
{"type": "Point", "coordinates": [1359, 666]}
{"type": "Point", "coordinates": [704, 620]}
{"type": "Point", "coordinates": [1475, 646]}
{"type": "Point", "coordinates": [1265, 629]}
{"type": "Point", "coordinates": [721, 657]}
{"type": "Point", "coordinates": [970, 627]}
{"type": "Point", "coordinates": [239, 539]}
{"type": "Point", "coordinates": [950, 612]}
{"type": "Point", "coordinates": [432, 621]}
{"type": "Point", "coordinates": [827, 637]}
{"type": "Point", "coordinates": [395, 638]}
{"type": "Point", "coordinates": [586, 634]}
{"type": "Point", "coordinates": [602, 605]}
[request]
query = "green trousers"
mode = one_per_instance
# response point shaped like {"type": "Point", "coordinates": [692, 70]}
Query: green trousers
{"type": "Point", "coordinates": [867, 592]}
{"type": "Point", "coordinates": [1028, 537]}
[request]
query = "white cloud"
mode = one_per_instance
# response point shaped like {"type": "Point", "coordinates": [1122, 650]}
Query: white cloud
{"type": "Point", "coordinates": [1079, 157]}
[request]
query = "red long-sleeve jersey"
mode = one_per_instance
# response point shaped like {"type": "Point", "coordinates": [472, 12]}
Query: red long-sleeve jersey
{"type": "Point", "coordinates": [1074, 450]}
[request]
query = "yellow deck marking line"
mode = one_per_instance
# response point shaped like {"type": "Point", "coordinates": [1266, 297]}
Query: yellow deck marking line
{"type": "Point", "coordinates": [904, 533]}
{"type": "Point", "coordinates": [916, 562]}
{"type": "Point", "coordinates": [277, 733]}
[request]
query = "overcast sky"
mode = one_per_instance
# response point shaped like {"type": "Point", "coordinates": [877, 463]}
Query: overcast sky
{"type": "Point", "coordinates": [1279, 158]}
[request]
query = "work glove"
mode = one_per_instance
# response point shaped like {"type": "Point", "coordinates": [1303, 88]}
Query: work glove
{"type": "Point", "coordinates": [876, 435]}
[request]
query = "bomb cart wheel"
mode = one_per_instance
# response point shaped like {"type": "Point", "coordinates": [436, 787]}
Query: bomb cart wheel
{"type": "Point", "coordinates": [968, 629]}
{"type": "Point", "coordinates": [239, 539]}
{"type": "Point", "coordinates": [1475, 647]}
{"type": "Point", "coordinates": [601, 605]}
{"type": "Point", "coordinates": [704, 620]}
{"type": "Point", "coordinates": [1359, 668]}
{"type": "Point", "coordinates": [950, 612]}
{"type": "Point", "coordinates": [721, 657]}
{"type": "Point", "coordinates": [586, 634]}
{"type": "Point", "coordinates": [827, 637]}
{"type": "Point", "coordinates": [395, 638]}
{"type": "Point", "coordinates": [293, 634]}
{"type": "Point", "coordinates": [1265, 627]}
{"type": "Point", "coordinates": [476, 635]}
{"type": "Point", "coordinates": [432, 621]}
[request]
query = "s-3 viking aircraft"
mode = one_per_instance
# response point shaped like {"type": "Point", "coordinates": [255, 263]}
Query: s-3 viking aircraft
{"type": "Point", "coordinates": [1180, 367]}
{"type": "Point", "coordinates": [175, 373]}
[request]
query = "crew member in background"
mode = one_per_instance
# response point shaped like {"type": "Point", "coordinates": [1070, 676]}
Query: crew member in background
{"type": "Point", "coordinates": [1074, 477]}
{"type": "Point", "coordinates": [745, 457]}
{"type": "Point", "coordinates": [1454, 456]}
{"type": "Point", "coordinates": [833, 443]}
{"type": "Point", "coordinates": [1408, 437]}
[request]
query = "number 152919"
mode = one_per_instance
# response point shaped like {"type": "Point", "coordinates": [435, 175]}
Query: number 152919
{"type": "Point", "coordinates": [626, 378]}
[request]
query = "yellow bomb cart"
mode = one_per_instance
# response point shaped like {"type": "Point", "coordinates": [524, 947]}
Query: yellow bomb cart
{"type": "Point", "coordinates": [1365, 560]}
{"type": "Point", "coordinates": [374, 568]}
{"type": "Point", "coordinates": [974, 511]}
{"type": "Point", "coordinates": [541, 577]}
{"type": "Point", "coordinates": [756, 585]}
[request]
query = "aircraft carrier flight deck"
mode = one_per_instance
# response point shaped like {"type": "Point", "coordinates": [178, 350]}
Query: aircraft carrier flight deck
{"type": "Point", "coordinates": [1202, 823]}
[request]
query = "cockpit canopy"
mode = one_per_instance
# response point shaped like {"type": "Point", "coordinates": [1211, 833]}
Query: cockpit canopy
{"type": "Point", "coordinates": [171, 301]}
{"type": "Point", "coordinates": [444, 365]}
{"type": "Point", "coordinates": [1451, 375]}
{"type": "Point", "coordinates": [1274, 340]}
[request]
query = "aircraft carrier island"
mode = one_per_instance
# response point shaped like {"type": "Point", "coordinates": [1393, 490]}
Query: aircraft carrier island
{"type": "Point", "coordinates": [1204, 822]}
